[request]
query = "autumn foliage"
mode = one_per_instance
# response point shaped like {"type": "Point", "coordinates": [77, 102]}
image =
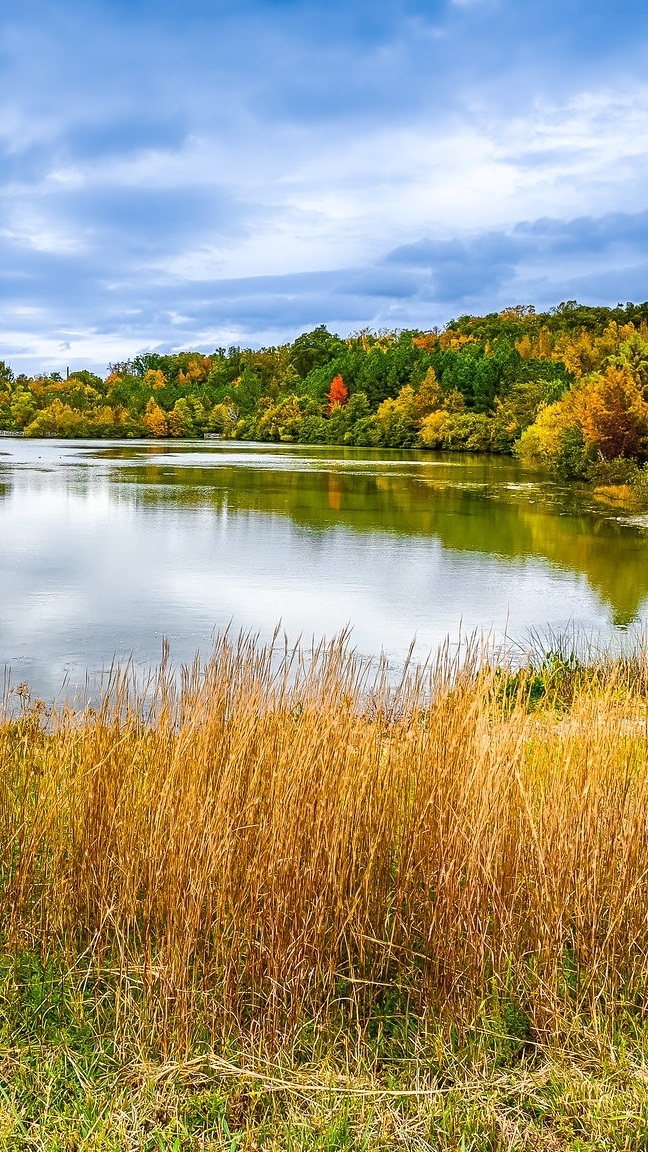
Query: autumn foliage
{"type": "Point", "coordinates": [566, 389]}
{"type": "Point", "coordinates": [614, 414]}
{"type": "Point", "coordinates": [338, 393]}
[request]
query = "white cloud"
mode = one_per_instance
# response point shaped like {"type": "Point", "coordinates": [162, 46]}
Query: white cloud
{"type": "Point", "coordinates": [171, 155]}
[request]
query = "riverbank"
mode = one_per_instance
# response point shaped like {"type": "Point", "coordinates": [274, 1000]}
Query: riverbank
{"type": "Point", "coordinates": [283, 904]}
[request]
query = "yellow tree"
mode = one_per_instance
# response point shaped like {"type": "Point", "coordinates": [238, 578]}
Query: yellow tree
{"type": "Point", "coordinates": [155, 420]}
{"type": "Point", "coordinates": [429, 395]}
{"type": "Point", "coordinates": [541, 443]}
{"type": "Point", "coordinates": [154, 378]}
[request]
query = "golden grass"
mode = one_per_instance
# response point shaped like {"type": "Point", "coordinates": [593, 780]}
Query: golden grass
{"type": "Point", "coordinates": [275, 840]}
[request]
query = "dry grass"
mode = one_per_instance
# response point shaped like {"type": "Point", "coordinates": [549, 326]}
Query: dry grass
{"type": "Point", "coordinates": [278, 847]}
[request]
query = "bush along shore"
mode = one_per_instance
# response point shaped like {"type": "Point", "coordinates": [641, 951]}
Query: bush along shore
{"type": "Point", "coordinates": [277, 902]}
{"type": "Point", "coordinates": [566, 389]}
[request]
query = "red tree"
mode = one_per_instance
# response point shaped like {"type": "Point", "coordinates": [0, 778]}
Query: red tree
{"type": "Point", "coordinates": [338, 393]}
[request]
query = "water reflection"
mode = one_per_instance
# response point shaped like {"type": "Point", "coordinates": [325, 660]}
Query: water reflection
{"type": "Point", "coordinates": [474, 508]}
{"type": "Point", "coordinates": [105, 549]}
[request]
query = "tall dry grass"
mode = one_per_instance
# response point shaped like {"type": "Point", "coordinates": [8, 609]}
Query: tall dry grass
{"type": "Point", "coordinates": [277, 839]}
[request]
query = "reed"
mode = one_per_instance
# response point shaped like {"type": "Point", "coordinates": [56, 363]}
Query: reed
{"type": "Point", "coordinates": [271, 839]}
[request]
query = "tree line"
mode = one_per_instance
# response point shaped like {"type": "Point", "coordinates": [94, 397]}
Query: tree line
{"type": "Point", "coordinates": [566, 389]}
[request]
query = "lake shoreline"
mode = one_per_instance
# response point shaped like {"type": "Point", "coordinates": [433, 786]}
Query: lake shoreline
{"type": "Point", "coordinates": [111, 549]}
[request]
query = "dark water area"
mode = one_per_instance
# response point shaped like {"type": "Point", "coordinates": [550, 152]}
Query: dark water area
{"type": "Point", "coordinates": [106, 549]}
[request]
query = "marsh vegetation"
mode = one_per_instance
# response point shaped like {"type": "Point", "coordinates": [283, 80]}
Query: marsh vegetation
{"type": "Point", "coordinates": [280, 901]}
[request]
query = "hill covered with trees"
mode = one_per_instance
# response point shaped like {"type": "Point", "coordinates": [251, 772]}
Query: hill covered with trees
{"type": "Point", "coordinates": [567, 389]}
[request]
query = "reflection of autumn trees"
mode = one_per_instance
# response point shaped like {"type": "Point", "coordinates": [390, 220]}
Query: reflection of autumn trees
{"type": "Point", "coordinates": [335, 490]}
{"type": "Point", "coordinates": [478, 505]}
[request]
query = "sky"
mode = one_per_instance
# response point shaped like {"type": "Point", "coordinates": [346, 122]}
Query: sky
{"type": "Point", "coordinates": [200, 173]}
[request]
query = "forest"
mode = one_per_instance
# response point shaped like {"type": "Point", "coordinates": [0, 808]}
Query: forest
{"type": "Point", "coordinates": [566, 389]}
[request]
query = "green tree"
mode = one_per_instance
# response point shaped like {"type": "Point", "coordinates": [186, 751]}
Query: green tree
{"type": "Point", "coordinates": [314, 350]}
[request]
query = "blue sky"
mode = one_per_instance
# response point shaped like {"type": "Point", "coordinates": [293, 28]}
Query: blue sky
{"type": "Point", "coordinates": [203, 173]}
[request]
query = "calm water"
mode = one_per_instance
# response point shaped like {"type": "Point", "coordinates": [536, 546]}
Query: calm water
{"type": "Point", "coordinates": [105, 549]}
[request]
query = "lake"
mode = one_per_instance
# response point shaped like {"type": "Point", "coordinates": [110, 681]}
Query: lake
{"type": "Point", "coordinates": [107, 548]}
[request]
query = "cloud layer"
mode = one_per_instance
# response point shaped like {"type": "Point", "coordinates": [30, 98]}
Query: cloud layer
{"type": "Point", "coordinates": [195, 174]}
